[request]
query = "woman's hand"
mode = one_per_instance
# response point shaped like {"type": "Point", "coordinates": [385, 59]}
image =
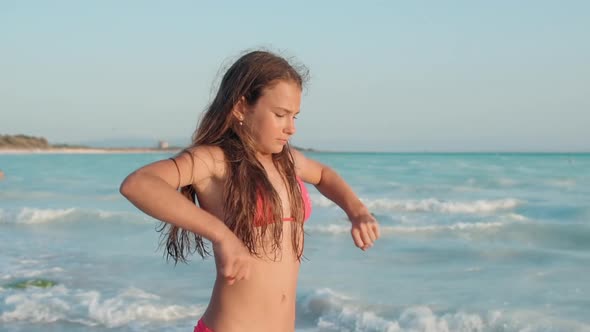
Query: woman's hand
{"type": "Point", "coordinates": [364, 230]}
{"type": "Point", "coordinates": [233, 258]}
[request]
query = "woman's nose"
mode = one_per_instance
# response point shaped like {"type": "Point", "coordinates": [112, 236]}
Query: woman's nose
{"type": "Point", "coordinates": [290, 128]}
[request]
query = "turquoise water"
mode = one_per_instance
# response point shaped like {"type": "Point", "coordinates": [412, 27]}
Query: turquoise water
{"type": "Point", "coordinates": [470, 242]}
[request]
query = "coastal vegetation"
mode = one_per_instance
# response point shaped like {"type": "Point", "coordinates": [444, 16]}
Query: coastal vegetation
{"type": "Point", "coordinates": [23, 142]}
{"type": "Point", "coordinates": [31, 142]}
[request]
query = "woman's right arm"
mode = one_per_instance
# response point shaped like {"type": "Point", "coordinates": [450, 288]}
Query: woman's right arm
{"type": "Point", "coordinates": [152, 189]}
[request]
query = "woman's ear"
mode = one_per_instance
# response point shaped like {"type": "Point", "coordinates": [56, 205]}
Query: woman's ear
{"type": "Point", "coordinates": [239, 109]}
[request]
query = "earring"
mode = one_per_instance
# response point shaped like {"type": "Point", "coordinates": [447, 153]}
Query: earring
{"type": "Point", "coordinates": [241, 119]}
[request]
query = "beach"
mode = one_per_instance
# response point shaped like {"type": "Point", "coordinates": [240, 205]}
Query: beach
{"type": "Point", "coordinates": [470, 242]}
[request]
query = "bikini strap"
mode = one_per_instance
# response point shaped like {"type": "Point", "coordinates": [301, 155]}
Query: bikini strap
{"type": "Point", "coordinates": [178, 168]}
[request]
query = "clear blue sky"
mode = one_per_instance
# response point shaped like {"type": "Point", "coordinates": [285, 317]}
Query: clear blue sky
{"type": "Point", "coordinates": [385, 75]}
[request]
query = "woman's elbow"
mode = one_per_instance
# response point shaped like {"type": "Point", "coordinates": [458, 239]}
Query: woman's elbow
{"type": "Point", "coordinates": [128, 185]}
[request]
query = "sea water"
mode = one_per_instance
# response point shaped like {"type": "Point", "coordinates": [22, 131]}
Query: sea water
{"type": "Point", "coordinates": [469, 242]}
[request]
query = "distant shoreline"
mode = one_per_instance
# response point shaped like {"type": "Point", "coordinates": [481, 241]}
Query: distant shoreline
{"type": "Point", "coordinates": [85, 150]}
{"type": "Point", "coordinates": [90, 150]}
{"type": "Point", "coordinates": [25, 144]}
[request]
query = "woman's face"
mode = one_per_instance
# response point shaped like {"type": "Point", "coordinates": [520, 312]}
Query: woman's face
{"type": "Point", "coordinates": [272, 118]}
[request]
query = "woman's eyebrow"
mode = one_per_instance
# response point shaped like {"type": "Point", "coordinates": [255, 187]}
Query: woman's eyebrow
{"type": "Point", "coordinates": [286, 110]}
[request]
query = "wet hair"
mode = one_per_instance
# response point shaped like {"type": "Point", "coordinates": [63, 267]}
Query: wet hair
{"type": "Point", "coordinates": [246, 179]}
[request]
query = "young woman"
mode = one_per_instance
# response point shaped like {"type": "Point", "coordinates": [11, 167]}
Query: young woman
{"type": "Point", "coordinates": [252, 203]}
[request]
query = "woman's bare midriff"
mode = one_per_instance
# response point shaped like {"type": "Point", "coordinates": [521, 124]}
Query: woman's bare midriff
{"type": "Point", "coordinates": [265, 302]}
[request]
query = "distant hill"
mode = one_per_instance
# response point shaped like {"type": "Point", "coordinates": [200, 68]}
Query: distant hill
{"type": "Point", "coordinates": [32, 142]}
{"type": "Point", "coordinates": [23, 142]}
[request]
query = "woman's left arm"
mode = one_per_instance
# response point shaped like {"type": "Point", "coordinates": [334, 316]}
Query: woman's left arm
{"type": "Point", "coordinates": [365, 229]}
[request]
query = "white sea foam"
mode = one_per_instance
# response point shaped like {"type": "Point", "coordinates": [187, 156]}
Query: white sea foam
{"type": "Point", "coordinates": [33, 216]}
{"type": "Point", "coordinates": [320, 200]}
{"type": "Point", "coordinates": [17, 272]}
{"type": "Point", "coordinates": [562, 183]}
{"type": "Point", "coordinates": [517, 217]}
{"type": "Point", "coordinates": [40, 216]}
{"type": "Point", "coordinates": [331, 311]}
{"type": "Point", "coordinates": [133, 305]}
{"type": "Point", "coordinates": [431, 205]}
{"type": "Point", "coordinates": [435, 205]}
{"type": "Point", "coordinates": [336, 229]}
{"type": "Point", "coordinates": [91, 308]}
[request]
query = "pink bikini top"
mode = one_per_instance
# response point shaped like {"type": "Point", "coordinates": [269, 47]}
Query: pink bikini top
{"type": "Point", "coordinates": [261, 219]}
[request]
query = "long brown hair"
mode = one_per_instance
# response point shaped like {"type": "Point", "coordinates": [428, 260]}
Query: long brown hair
{"type": "Point", "coordinates": [246, 179]}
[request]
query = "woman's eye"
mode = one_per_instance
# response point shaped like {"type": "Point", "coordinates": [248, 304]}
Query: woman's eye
{"type": "Point", "coordinates": [279, 115]}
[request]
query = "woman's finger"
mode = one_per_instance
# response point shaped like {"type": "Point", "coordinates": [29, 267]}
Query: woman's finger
{"type": "Point", "coordinates": [356, 237]}
{"type": "Point", "coordinates": [365, 236]}
{"type": "Point", "coordinates": [376, 230]}
{"type": "Point", "coordinates": [371, 233]}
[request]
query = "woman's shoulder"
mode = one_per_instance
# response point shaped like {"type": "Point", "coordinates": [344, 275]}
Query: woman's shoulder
{"type": "Point", "coordinates": [209, 152]}
{"type": "Point", "coordinates": [210, 156]}
{"type": "Point", "coordinates": [307, 169]}
{"type": "Point", "coordinates": [298, 159]}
